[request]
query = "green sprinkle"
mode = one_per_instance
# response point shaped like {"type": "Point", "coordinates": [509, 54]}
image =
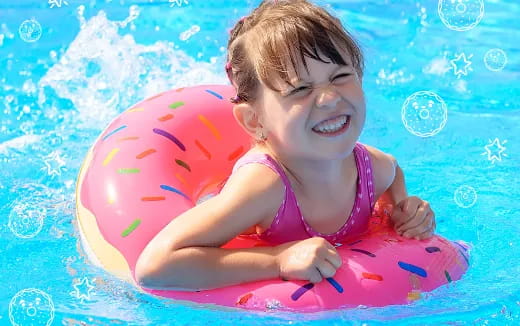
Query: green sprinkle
{"type": "Point", "coordinates": [125, 171]}
{"type": "Point", "coordinates": [448, 277]}
{"type": "Point", "coordinates": [131, 228]}
{"type": "Point", "coordinates": [176, 105]}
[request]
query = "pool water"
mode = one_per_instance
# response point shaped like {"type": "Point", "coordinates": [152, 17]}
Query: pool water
{"type": "Point", "coordinates": [443, 97]}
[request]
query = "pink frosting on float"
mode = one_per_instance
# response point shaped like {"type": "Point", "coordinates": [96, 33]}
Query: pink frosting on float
{"type": "Point", "coordinates": [157, 158]}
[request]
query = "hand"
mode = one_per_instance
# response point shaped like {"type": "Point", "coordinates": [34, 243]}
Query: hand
{"type": "Point", "coordinates": [413, 218]}
{"type": "Point", "coordinates": [311, 260]}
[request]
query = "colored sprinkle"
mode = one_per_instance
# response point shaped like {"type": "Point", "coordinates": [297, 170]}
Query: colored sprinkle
{"type": "Point", "coordinates": [145, 153]}
{"type": "Point", "coordinates": [412, 268]}
{"type": "Point", "coordinates": [128, 138]}
{"type": "Point", "coordinates": [370, 276]}
{"type": "Point", "coordinates": [125, 171]}
{"type": "Point", "coordinates": [179, 89]}
{"type": "Point", "coordinates": [353, 243]}
{"type": "Point", "coordinates": [214, 93]}
{"type": "Point", "coordinates": [176, 105]}
{"type": "Point", "coordinates": [113, 132]}
{"type": "Point", "coordinates": [243, 299]}
{"type": "Point", "coordinates": [165, 117]}
{"type": "Point", "coordinates": [110, 156]}
{"type": "Point", "coordinates": [181, 179]}
{"type": "Point", "coordinates": [392, 240]}
{"type": "Point", "coordinates": [458, 244]}
{"type": "Point", "coordinates": [155, 96]}
{"type": "Point", "coordinates": [448, 277]}
{"type": "Point", "coordinates": [136, 110]}
{"type": "Point", "coordinates": [183, 164]}
{"type": "Point", "coordinates": [364, 252]}
{"type": "Point", "coordinates": [465, 258]}
{"type": "Point", "coordinates": [301, 291]}
{"type": "Point", "coordinates": [157, 198]}
{"type": "Point", "coordinates": [432, 249]}
{"type": "Point", "coordinates": [210, 126]}
{"type": "Point", "coordinates": [203, 149]}
{"type": "Point", "coordinates": [235, 154]}
{"type": "Point", "coordinates": [170, 137]}
{"type": "Point", "coordinates": [414, 295]}
{"type": "Point", "coordinates": [335, 284]}
{"type": "Point", "coordinates": [131, 228]}
{"type": "Point", "coordinates": [165, 187]}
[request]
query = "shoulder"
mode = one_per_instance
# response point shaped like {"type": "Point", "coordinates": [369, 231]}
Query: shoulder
{"type": "Point", "coordinates": [257, 185]}
{"type": "Point", "coordinates": [383, 167]}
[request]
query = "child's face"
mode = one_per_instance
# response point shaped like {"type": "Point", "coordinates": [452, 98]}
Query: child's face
{"type": "Point", "coordinates": [328, 91]}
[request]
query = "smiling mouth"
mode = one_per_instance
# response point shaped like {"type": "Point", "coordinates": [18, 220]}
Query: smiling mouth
{"type": "Point", "coordinates": [334, 130]}
{"type": "Point", "coordinates": [333, 126]}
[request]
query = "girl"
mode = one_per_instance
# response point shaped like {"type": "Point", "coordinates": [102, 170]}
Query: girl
{"type": "Point", "coordinates": [306, 183]}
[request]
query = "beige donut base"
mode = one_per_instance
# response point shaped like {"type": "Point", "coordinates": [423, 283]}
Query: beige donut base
{"type": "Point", "coordinates": [106, 256]}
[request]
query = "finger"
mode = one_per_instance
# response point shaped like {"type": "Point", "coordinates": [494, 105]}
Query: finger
{"type": "Point", "coordinates": [326, 269]}
{"type": "Point", "coordinates": [411, 206]}
{"type": "Point", "coordinates": [425, 235]}
{"type": "Point", "coordinates": [417, 219]}
{"type": "Point", "coordinates": [399, 218]}
{"type": "Point", "coordinates": [425, 225]}
{"type": "Point", "coordinates": [334, 258]}
{"type": "Point", "coordinates": [315, 276]}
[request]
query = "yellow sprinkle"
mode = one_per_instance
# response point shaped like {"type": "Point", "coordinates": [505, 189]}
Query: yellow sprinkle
{"type": "Point", "coordinates": [414, 295]}
{"type": "Point", "coordinates": [110, 156]}
{"type": "Point", "coordinates": [210, 126]}
{"type": "Point", "coordinates": [136, 110]}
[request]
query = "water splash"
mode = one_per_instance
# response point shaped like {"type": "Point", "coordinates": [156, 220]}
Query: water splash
{"type": "Point", "coordinates": [103, 72]}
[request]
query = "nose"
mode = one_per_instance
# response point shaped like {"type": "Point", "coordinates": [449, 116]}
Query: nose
{"type": "Point", "coordinates": [327, 96]}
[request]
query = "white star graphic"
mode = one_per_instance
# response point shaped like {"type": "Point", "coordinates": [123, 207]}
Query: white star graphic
{"type": "Point", "coordinates": [461, 65]}
{"type": "Point", "coordinates": [178, 2]}
{"type": "Point", "coordinates": [54, 163]}
{"type": "Point", "coordinates": [57, 3]}
{"type": "Point", "coordinates": [82, 289]}
{"type": "Point", "coordinates": [494, 150]}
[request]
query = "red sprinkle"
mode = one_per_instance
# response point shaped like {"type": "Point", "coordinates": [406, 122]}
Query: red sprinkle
{"type": "Point", "coordinates": [243, 299]}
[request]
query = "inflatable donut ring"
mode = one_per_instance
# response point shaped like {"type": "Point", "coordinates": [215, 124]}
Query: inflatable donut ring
{"type": "Point", "coordinates": [162, 156]}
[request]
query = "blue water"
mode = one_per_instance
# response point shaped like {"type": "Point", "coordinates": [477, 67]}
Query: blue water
{"type": "Point", "coordinates": [95, 58]}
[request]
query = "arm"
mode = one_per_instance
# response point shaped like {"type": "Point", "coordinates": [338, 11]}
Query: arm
{"type": "Point", "coordinates": [397, 190]}
{"type": "Point", "coordinates": [186, 254]}
{"type": "Point", "coordinates": [388, 176]}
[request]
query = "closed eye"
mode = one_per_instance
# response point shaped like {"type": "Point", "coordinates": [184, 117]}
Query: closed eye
{"type": "Point", "coordinates": [303, 88]}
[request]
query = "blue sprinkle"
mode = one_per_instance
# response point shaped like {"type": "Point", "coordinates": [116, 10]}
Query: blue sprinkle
{"type": "Point", "coordinates": [214, 93]}
{"type": "Point", "coordinates": [412, 268]}
{"type": "Point", "coordinates": [432, 249]}
{"type": "Point", "coordinates": [113, 132]}
{"type": "Point", "coordinates": [335, 284]}
{"type": "Point", "coordinates": [165, 187]}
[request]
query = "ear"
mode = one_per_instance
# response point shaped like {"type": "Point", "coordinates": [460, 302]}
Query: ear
{"type": "Point", "coordinates": [247, 117]}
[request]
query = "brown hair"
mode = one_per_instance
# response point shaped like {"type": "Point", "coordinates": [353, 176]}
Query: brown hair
{"type": "Point", "coordinates": [260, 44]}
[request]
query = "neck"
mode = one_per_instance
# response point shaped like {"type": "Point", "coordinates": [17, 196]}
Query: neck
{"type": "Point", "coordinates": [312, 174]}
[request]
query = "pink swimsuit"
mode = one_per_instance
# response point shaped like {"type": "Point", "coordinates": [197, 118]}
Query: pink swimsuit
{"type": "Point", "coordinates": [289, 224]}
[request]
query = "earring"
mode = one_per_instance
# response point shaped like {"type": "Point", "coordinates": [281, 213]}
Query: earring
{"type": "Point", "coordinates": [260, 135]}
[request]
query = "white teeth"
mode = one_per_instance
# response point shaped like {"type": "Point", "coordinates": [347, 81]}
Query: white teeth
{"type": "Point", "coordinates": [333, 125]}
